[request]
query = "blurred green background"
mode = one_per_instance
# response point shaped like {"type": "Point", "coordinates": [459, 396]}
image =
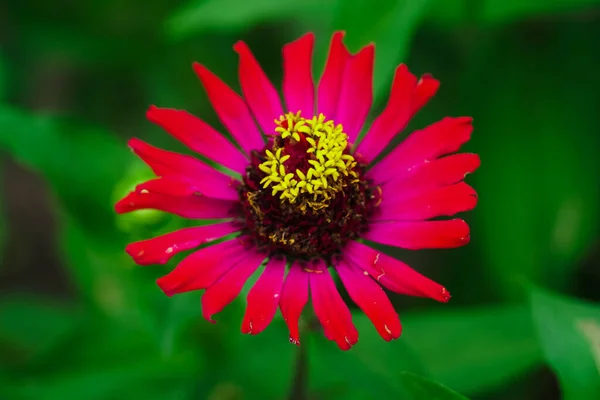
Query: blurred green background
{"type": "Point", "coordinates": [79, 321]}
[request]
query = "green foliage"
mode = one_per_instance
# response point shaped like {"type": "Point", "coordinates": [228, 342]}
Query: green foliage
{"type": "Point", "coordinates": [422, 388]}
{"type": "Point", "coordinates": [109, 332]}
{"type": "Point", "coordinates": [569, 331]}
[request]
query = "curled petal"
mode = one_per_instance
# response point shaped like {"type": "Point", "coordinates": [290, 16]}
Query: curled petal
{"type": "Point", "coordinates": [198, 136]}
{"type": "Point", "coordinates": [202, 268]}
{"type": "Point", "coordinates": [298, 85]}
{"type": "Point", "coordinates": [330, 308]}
{"type": "Point", "coordinates": [231, 109]}
{"type": "Point", "coordinates": [441, 172]}
{"type": "Point", "coordinates": [261, 95]}
{"type": "Point", "coordinates": [294, 296]}
{"type": "Point", "coordinates": [392, 273]}
{"type": "Point", "coordinates": [330, 86]}
{"type": "Point", "coordinates": [264, 297]}
{"type": "Point", "coordinates": [416, 235]}
{"type": "Point", "coordinates": [356, 95]}
{"type": "Point", "coordinates": [371, 298]}
{"type": "Point", "coordinates": [177, 197]}
{"type": "Point", "coordinates": [444, 201]}
{"type": "Point", "coordinates": [206, 179]}
{"type": "Point", "coordinates": [160, 249]}
{"type": "Point", "coordinates": [229, 286]}
{"type": "Point", "coordinates": [421, 147]}
{"type": "Point", "coordinates": [426, 88]}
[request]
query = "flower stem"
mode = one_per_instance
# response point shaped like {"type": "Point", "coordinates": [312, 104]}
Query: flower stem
{"type": "Point", "coordinates": [299, 389]}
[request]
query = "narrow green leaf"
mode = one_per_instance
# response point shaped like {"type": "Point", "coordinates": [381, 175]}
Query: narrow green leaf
{"type": "Point", "coordinates": [202, 15]}
{"type": "Point", "coordinates": [473, 350]}
{"type": "Point", "coordinates": [423, 388]}
{"type": "Point", "coordinates": [569, 331]}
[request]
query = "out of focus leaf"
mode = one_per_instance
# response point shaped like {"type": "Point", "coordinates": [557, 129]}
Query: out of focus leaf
{"type": "Point", "coordinates": [201, 15]}
{"type": "Point", "coordinates": [81, 163]}
{"type": "Point", "coordinates": [423, 388]}
{"type": "Point", "coordinates": [453, 12]}
{"type": "Point", "coordinates": [30, 326]}
{"type": "Point", "coordinates": [390, 25]}
{"type": "Point", "coordinates": [372, 365]}
{"type": "Point", "coordinates": [473, 350]}
{"type": "Point", "coordinates": [569, 331]}
{"type": "Point", "coordinates": [538, 212]}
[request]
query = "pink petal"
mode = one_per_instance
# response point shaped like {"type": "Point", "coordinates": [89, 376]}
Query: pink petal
{"type": "Point", "coordinates": [263, 298]}
{"type": "Point", "coordinates": [259, 92]}
{"type": "Point", "coordinates": [169, 164]}
{"type": "Point", "coordinates": [298, 85]}
{"type": "Point", "coordinates": [420, 234]}
{"type": "Point", "coordinates": [330, 86]}
{"type": "Point", "coordinates": [441, 172]}
{"type": "Point", "coordinates": [330, 308]}
{"type": "Point", "coordinates": [421, 147]}
{"type": "Point", "coordinates": [443, 201]}
{"type": "Point", "coordinates": [202, 268]}
{"type": "Point", "coordinates": [371, 298]}
{"type": "Point", "coordinates": [176, 197]}
{"type": "Point", "coordinates": [294, 296]}
{"type": "Point", "coordinates": [356, 94]}
{"type": "Point", "coordinates": [394, 117]}
{"type": "Point", "coordinates": [160, 249]}
{"type": "Point", "coordinates": [229, 286]}
{"type": "Point", "coordinates": [232, 110]}
{"type": "Point", "coordinates": [392, 273]}
{"type": "Point", "coordinates": [198, 136]}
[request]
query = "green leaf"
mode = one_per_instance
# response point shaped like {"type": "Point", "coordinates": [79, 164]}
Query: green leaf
{"type": "Point", "coordinates": [390, 25]}
{"type": "Point", "coordinates": [569, 331]}
{"type": "Point", "coordinates": [202, 15]}
{"type": "Point", "coordinates": [30, 326]}
{"type": "Point", "coordinates": [423, 388]}
{"type": "Point", "coordinates": [81, 163]}
{"type": "Point", "coordinates": [473, 350]}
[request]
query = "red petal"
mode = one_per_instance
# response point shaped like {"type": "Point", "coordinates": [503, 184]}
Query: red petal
{"type": "Point", "coordinates": [393, 274]}
{"type": "Point", "coordinates": [176, 197]}
{"type": "Point", "coordinates": [198, 136]}
{"type": "Point", "coordinates": [330, 86]}
{"type": "Point", "coordinates": [371, 298]}
{"type": "Point", "coordinates": [420, 234]}
{"type": "Point", "coordinates": [259, 92]}
{"type": "Point", "coordinates": [426, 88]}
{"type": "Point", "coordinates": [232, 110]}
{"type": "Point", "coordinates": [443, 137]}
{"type": "Point", "coordinates": [356, 94]}
{"type": "Point", "coordinates": [229, 286]}
{"type": "Point", "coordinates": [330, 308]}
{"type": "Point", "coordinates": [169, 164]}
{"type": "Point", "coordinates": [264, 297]}
{"type": "Point", "coordinates": [294, 296]}
{"type": "Point", "coordinates": [443, 201]}
{"type": "Point", "coordinates": [202, 268]}
{"type": "Point", "coordinates": [298, 86]}
{"type": "Point", "coordinates": [441, 172]}
{"type": "Point", "coordinates": [160, 249]}
{"type": "Point", "coordinates": [394, 117]}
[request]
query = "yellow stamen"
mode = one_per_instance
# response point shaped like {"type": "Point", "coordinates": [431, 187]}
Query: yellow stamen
{"type": "Point", "coordinates": [325, 153]}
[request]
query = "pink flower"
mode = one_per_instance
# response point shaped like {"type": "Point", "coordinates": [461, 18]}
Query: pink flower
{"type": "Point", "coordinates": [304, 196]}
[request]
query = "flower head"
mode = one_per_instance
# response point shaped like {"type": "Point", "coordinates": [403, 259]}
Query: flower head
{"type": "Point", "coordinates": [305, 197]}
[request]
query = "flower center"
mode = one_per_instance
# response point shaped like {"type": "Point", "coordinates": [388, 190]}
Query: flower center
{"type": "Point", "coordinates": [304, 195]}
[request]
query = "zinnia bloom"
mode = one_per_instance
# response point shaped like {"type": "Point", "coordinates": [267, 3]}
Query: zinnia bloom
{"type": "Point", "coordinates": [304, 195]}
